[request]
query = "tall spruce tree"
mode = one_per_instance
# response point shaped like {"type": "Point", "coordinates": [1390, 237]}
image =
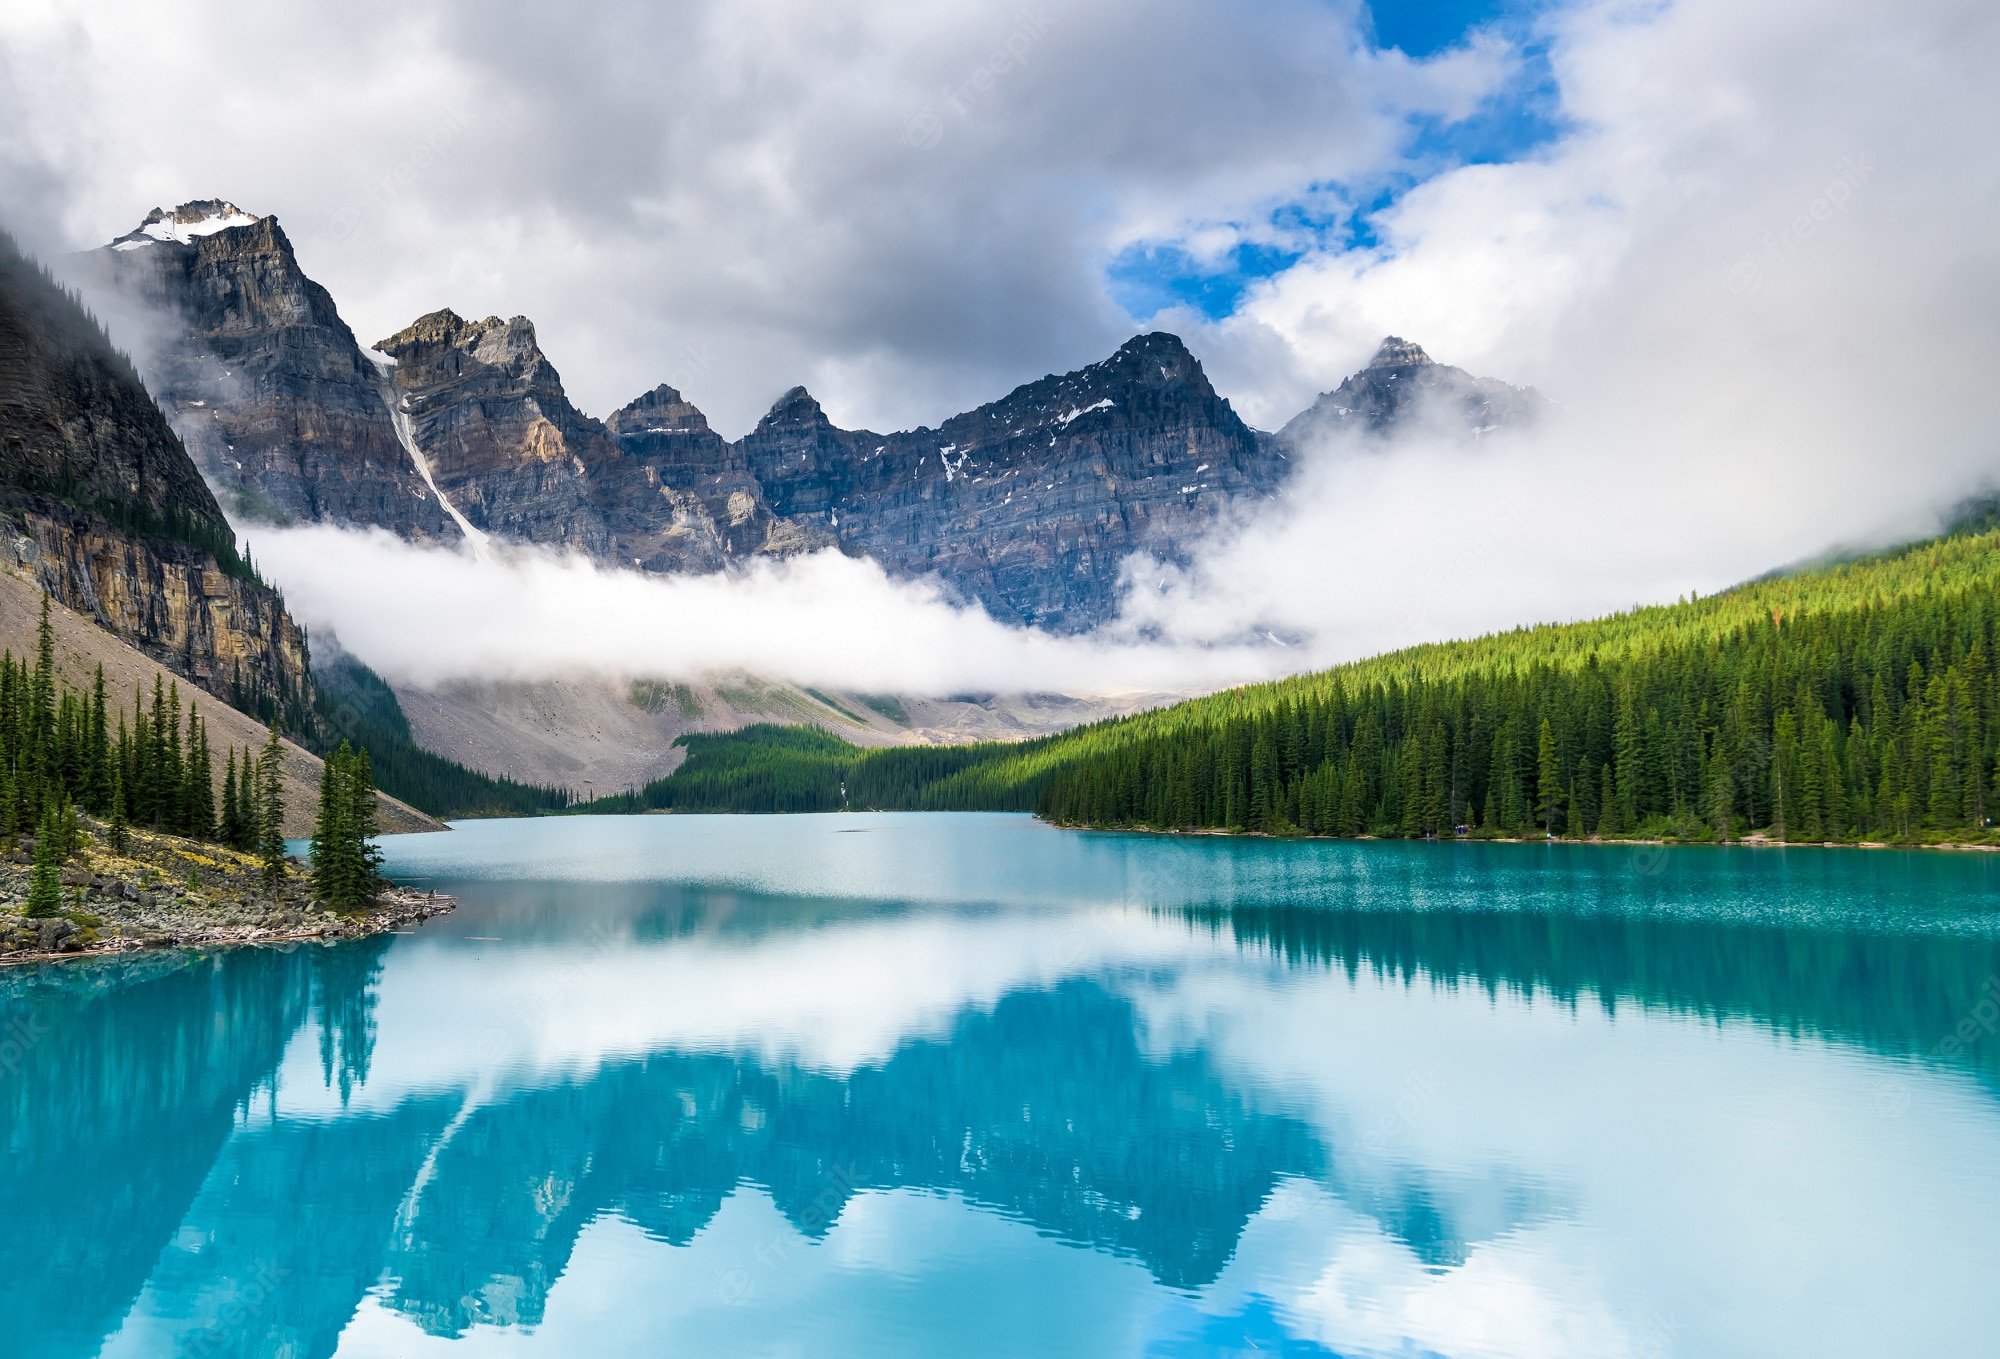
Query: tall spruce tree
{"type": "Point", "coordinates": [231, 830]}
{"type": "Point", "coordinates": [45, 883]}
{"type": "Point", "coordinates": [346, 866]}
{"type": "Point", "coordinates": [271, 808]}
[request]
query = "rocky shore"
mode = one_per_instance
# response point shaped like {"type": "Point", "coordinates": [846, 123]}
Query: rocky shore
{"type": "Point", "coordinates": [174, 893]}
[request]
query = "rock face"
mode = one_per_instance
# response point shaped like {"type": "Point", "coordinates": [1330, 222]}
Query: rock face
{"type": "Point", "coordinates": [283, 412]}
{"type": "Point", "coordinates": [110, 516]}
{"type": "Point", "coordinates": [1028, 505]}
{"type": "Point", "coordinates": [503, 443]}
{"type": "Point", "coordinates": [1402, 387]}
{"type": "Point", "coordinates": [669, 445]}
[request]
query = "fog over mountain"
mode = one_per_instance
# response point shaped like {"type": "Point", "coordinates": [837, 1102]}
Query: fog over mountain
{"type": "Point", "coordinates": [1747, 256]}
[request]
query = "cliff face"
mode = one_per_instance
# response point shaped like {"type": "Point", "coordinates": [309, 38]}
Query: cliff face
{"type": "Point", "coordinates": [667, 443]}
{"type": "Point", "coordinates": [504, 445]}
{"type": "Point", "coordinates": [1403, 387]}
{"type": "Point", "coordinates": [278, 404]}
{"type": "Point", "coordinates": [105, 510]}
{"type": "Point", "coordinates": [1028, 505]}
{"type": "Point", "coordinates": [655, 488]}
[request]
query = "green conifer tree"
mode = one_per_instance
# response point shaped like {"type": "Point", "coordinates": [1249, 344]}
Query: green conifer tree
{"type": "Point", "coordinates": [1548, 779]}
{"type": "Point", "coordinates": [45, 883]}
{"type": "Point", "coordinates": [271, 808]}
{"type": "Point", "coordinates": [231, 830]}
{"type": "Point", "coordinates": [330, 869]}
{"type": "Point", "coordinates": [121, 824]}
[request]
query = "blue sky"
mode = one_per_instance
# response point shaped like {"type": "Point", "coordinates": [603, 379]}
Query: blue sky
{"type": "Point", "coordinates": [1151, 276]}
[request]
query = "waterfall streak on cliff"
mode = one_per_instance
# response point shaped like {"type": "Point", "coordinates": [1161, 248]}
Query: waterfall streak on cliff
{"type": "Point", "coordinates": [400, 418]}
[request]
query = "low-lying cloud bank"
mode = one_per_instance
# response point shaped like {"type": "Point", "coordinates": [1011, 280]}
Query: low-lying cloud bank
{"type": "Point", "coordinates": [427, 615]}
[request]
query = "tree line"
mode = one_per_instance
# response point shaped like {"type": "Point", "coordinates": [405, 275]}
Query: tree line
{"type": "Point", "coordinates": [1856, 700]}
{"type": "Point", "coordinates": [60, 754]}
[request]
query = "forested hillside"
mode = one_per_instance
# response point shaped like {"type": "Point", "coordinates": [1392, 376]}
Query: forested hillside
{"type": "Point", "coordinates": [355, 705]}
{"type": "Point", "coordinates": [1854, 701]}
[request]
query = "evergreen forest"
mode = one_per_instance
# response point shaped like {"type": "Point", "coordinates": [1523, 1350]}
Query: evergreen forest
{"type": "Point", "coordinates": [1852, 701]}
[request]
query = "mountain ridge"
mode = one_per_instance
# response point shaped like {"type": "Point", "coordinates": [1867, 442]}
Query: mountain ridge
{"type": "Point", "coordinates": [1027, 506]}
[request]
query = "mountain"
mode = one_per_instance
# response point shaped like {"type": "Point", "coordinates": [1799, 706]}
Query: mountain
{"type": "Point", "coordinates": [1028, 506]}
{"type": "Point", "coordinates": [1403, 387]}
{"type": "Point", "coordinates": [657, 489]}
{"type": "Point", "coordinates": [597, 735]}
{"type": "Point", "coordinates": [103, 508]}
{"type": "Point", "coordinates": [280, 407]}
{"type": "Point", "coordinates": [669, 446]}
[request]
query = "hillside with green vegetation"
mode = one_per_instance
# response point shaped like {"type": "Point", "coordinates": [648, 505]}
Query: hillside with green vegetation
{"type": "Point", "coordinates": [1852, 701]}
{"type": "Point", "coordinates": [354, 704]}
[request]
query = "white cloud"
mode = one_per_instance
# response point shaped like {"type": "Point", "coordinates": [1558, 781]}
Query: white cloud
{"type": "Point", "coordinates": [429, 615]}
{"type": "Point", "coordinates": [904, 206]}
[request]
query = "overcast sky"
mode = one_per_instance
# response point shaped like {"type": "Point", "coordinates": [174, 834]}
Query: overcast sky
{"type": "Point", "coordinates": [909, 207]}
{"type": "Point", "coordinates": [1749, 246]}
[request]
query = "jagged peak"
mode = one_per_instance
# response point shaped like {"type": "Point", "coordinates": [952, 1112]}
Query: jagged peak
{"type": "Point", "coordinates": [796, 407]}
{"type": "Point", "coordinates": [186, 223]}
{"type": "Point", "coordinates": [516, 334]}
{"type": "Point", "coordinates": [663, 408]}
{"type": "Point", "coordinates": [1155, 342]}
{"type": "Point", "coordinates": [1397, 352]}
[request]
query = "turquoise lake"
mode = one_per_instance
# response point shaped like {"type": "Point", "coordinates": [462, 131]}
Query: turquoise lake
{"type": "Point", "coordinates": [960, 1085]}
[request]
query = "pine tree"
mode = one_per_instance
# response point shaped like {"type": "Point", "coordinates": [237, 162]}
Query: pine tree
{"type": "Point", "coordinates": [45, 883]}
{"type": "Point", "coordinates": [121, 825]}
{"type": "Point", "coordinates": [346, 864]}
{"type": "Point", "coordinates": [231, 830]}
{"type": "Point", "coordinates": [329, 838]}
{"type": "Point", "coordinates": [97, 778]}
{"type": "Point", "coordinates": [198, 795]}
{"type": "Point", "coordinates": [248, 822]}
{"type": "Point", "coordinates": [1548, 779]}
{"type": "Point", "coordinates": [271, 809]}
{"type": "Point", "coordinates": [362, 829]}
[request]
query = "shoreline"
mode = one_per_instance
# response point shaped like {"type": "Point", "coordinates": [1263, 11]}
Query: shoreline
{"type": "Point", "coordinates": [165, 891]}
{"type": "Point", "coordinates": [1741, 842]}
{"type": "Point", "coordinates": [397, 906]}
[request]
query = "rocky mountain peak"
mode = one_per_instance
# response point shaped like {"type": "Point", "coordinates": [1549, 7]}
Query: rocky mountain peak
{"type": "Point", "coordinates": [658, 411]}
{"type": "Point", "coordinates": [796, 409]}
{"type": "Point", "coordinates": [450, 346]}
{"type": "Point", "coordinates": [186, 223]}
{"type": "Point", "coordinates": [1403, 389]}
{"type": "Point", "coordinates": [1153, 360]}
{"type": "Point", "coordinates": [1397, 352]}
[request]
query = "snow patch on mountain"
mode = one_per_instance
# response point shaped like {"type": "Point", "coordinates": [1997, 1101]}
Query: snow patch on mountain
{"type": "Point", "coordinates": [203, 217]}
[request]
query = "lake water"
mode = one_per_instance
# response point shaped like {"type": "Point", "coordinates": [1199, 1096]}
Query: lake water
{"type": "Point", "coordinates": [969, 1085]}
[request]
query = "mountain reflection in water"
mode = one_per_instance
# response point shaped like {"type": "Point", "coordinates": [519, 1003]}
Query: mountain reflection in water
{"type": "Point", "coordinates": [173, 1185]}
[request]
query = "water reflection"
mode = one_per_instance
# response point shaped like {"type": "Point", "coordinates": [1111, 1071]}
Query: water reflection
{"type": "Point", "coordinates": [169, 1189]}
